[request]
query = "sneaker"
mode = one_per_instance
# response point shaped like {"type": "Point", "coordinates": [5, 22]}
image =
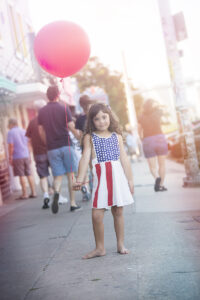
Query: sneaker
{"type": "Point", "coordinates": [46, 203]}
{"type": "Point", "coordinates": [157, 184]}
{"type": "Point", "coordinates": [62, 200]}
{"type": "Point", "coordinates": [75, 208]}
{"type": "Point", "coordinates": [54, 205]}
{"type": "Point", "coordinates": [161, 189]}
{"type": "Point", "coordinates": [86, 194]}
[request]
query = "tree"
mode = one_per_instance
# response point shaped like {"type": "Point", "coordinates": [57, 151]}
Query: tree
{"type": "Point", "coordinates": [138, 103]}
{"type": "Point", "coordinates": [96, 74]}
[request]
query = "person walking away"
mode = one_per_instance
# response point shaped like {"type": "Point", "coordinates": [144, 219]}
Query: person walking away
{"type": "Point", "coordinates": [19, 158]}
{"type": "Point", "coordinates": [154, 142]}
{"type": "Point", "coordinates": [131, 143]}
{"type": "Point", "coordinates": [55, 121]}
{"type": "Point", "coordinates": [40, 154]}
{"type": "Point", "coordinates": [113, 179]}
{"type": "Point", "coordinates": [85, 103]}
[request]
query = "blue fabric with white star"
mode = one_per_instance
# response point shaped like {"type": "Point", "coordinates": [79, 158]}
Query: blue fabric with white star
{"type": "Point", "coordinates": [106, 149]}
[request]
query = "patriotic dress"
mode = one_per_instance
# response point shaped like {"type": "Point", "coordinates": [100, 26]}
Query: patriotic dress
{"type": "Point", "coordinates": [110, 185]}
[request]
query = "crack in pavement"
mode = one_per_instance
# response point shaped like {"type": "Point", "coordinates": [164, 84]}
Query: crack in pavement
{"type": "Point", "coordinates": [33, 288]}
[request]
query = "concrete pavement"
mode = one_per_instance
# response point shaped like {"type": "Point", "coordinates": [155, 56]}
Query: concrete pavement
{"type": "Point", "coordinates": [40, 253]}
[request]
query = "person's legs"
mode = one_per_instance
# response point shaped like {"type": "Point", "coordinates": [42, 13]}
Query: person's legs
{"type": "Point", "coordinates": [119, 228]}
{"type": "Point", "coordinates": [69, 160]}
{"type": "Point", "coordinates": [44, 188]}
{"type": "Point", "coordinates": [42, 167]}
{"type": "Point", "coordinates": [98, 228]}
{"type": "Point", "coordinates": [19, 170]}
{"type": "Point", "coordinates": [70, 177]}
{"type": "Point", "coordinates": [22, 180]}
{"type": "Point", "coordinates": [44, 185]}
{"type": "Point", "coordinates": [152, 166]}
{"type": "Point", "coordinates": [57, 185]}
{"type": "Point", "coordinates": [161, 150]}
{"type": "Point", "coordinates": [55, 158]}
{"type": "Point", "coordinates": [32, 185]}
{"type": "Point", "coordinates": [62, 161]}
{"type": "Point", "coordinates": [161, 170]}
{"type": "Point", "coordinates": [27, 173]}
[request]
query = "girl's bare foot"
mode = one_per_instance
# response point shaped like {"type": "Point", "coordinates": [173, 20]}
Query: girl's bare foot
{"type": "Point", "coordinates": [94, 253]}
{"type": "Point", "coordinates": [123, 250]}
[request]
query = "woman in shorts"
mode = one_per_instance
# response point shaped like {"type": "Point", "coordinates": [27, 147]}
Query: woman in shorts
{"type": "Point", "coordinates": [154, 142]}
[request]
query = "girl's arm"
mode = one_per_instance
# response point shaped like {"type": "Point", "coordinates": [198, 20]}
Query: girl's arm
{"type": "Point", "coordinates": [84, 162]}
{"type": "Point", "coordinates": [126, 164]}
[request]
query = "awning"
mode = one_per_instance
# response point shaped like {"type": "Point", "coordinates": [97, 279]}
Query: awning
{"type": "Point", "coordinates": [7, 86]}
{"type": "Point", "coordinates": [29, 92]}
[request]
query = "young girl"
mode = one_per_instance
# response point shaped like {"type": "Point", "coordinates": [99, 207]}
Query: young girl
{"type": "Point", "coordinates": [112, 175]}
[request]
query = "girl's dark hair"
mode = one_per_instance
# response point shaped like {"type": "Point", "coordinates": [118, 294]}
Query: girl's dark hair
{"type": "Point", "coordinates": [94, 110]}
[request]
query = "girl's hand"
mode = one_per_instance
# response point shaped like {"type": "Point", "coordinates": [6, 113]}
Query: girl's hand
{"type": "Point", "coordinates": [77, 186]}
{"type": "Point", "coordinates": [131, 187]}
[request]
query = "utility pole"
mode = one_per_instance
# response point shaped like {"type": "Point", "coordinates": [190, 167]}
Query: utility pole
{"type": "Point", "coordinates": [185, 126]}
{"type": "Point", "coordinates": [131, 108]}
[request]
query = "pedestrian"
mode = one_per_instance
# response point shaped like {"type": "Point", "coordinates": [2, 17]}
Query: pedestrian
{"type": "Point", "coordinates": [85, 103]}
{"type": "Point", "coordinates": [131, 142]}
{"type": "Point", "coordinates": [154, 142]}
{"type": "Point", "coordinates": [40, 154]}
{"type": "Point", "coordinates": [113, 180]}
{"type": "Point", "coordinates": [19, 158]}
{"type": "Point", "coordinates": [55, 121]}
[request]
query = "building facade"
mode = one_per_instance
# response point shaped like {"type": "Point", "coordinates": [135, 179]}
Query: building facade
{"type": "Point", "coordinates": [21, 81]}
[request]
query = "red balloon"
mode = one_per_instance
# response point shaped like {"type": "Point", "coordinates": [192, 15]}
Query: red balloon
{"type": "Point", "coordinates": [62, 48]}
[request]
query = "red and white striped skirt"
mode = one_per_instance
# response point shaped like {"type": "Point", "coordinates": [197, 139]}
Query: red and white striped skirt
{"type": "Point", "coordinates": [110, 186]}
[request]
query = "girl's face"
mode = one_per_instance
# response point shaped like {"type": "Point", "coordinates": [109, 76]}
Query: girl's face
{"type": "Point", "coordinates": [101, 121]}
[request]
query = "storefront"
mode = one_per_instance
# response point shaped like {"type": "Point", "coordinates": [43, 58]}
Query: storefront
{"type": "Point", "coordinates": [7, 93]}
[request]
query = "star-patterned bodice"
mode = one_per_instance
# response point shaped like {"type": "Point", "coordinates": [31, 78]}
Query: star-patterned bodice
{"type": "Point", "coordinates": [107, 149]}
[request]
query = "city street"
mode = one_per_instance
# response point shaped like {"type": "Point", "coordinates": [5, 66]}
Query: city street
{"type": "Point", "coordinates": [80, 81]}
{"type": "Point", "coordinates": [41, 252]}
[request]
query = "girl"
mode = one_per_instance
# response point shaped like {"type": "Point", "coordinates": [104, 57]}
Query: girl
{"type": "Point", "coordinates": [112, 175]}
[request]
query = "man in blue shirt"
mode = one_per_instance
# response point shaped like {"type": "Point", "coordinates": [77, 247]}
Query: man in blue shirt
{"type": "Point", "coordinates": [19, 157]}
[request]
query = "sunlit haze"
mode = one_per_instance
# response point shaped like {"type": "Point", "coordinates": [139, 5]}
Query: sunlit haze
{"type": "Point", "coordinates": [132, 26]}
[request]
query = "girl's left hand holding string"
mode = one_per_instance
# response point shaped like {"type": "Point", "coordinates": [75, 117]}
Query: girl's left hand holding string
{"type": "Point", "coordinates": [77, 186]}
{"type": "Point", "coordinates": [83, 164]}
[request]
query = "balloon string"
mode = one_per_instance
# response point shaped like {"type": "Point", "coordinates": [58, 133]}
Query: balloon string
{"type": "Point", "coordinates": [70, 147]}
{"type": "Point", "coordinates": [62, 81]}
{"type": "Point", "coordinates": [68, 139]}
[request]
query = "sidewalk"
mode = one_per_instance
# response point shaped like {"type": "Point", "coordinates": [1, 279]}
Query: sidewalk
{"type": "Point", "coordinates": [176, 198]}
{"type": "Point", "coordinates": [40, 253]}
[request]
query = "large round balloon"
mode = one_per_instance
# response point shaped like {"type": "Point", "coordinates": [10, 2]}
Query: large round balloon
{"type": "Point", "coordinates": [62, 48]}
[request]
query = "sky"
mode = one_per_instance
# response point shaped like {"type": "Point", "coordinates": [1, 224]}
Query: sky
{"type": "Point", "coordinates": [129, 26]}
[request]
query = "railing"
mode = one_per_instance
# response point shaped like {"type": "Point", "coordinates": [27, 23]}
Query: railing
{"type": "Point", "coordinates": [4, 180]}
